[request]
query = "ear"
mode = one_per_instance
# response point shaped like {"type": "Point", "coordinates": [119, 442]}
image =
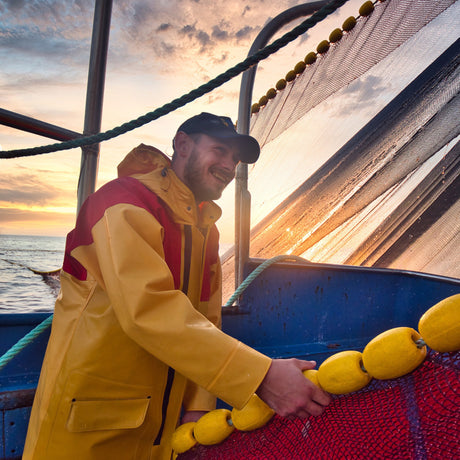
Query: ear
{"type": "Point", "coordinates": [183, 144]}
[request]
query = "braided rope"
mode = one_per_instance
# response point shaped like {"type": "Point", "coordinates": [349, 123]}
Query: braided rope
{"type": "Point", "coordinates": [22, 343]}
{"type": "Point", "coordinates": [257, 271]}
{"type": "Point", "coordinates": [186, 98]}
{"type": "Point", "coordinates": [164, 110]}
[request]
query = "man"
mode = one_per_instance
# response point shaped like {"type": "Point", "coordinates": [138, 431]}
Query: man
{"type": "Point", "coordinates": [135, 339]}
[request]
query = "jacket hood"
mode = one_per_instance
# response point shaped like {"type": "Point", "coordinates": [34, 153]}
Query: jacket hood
{"type": "Point", "coordinates": [142, 160]}
{"type": "Point", "coordinates": [153, 168]}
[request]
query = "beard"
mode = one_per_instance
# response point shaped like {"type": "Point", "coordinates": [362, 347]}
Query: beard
{"type": "Point", "coordinates": [200, 181]}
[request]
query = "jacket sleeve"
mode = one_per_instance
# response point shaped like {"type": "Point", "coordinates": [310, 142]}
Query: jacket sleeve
{"type": "Point", "coordinates": [127, 260]}
{"type": "Point", "coordinates": [196, 397]}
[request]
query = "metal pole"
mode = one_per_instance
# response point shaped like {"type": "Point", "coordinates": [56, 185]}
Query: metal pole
{"type": "Point", "coordinates": [242, 195]}
{"type": "Point", "coordinates": [34, 126]}
{"type": "Point", "coordinates": [94, 98]}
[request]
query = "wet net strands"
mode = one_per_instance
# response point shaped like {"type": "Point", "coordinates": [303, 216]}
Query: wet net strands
{"type": "Point", "coordinates": [413, 417]}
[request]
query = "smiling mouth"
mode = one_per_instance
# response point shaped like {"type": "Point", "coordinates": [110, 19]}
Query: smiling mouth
{"type": "Point", "coordinates": [222, 177]}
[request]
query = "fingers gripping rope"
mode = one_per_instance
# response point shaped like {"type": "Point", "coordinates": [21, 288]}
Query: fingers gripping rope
{"type": "Point", "coordinates": [189, 97]}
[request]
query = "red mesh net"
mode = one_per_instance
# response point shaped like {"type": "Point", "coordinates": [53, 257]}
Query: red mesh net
{"type": "Point", "coordinates": [414, 417]}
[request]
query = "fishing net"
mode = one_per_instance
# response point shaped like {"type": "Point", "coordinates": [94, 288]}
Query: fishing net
{"type": "Point", "coordinates": [369, 42]}
{"type": "Point", "coordinates": [413, 417]}
{"type": "Point", "coordinates": [389, 196]}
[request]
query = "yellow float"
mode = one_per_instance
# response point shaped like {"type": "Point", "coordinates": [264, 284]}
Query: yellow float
{"type": "Point", "coordinates": [254, 414]}
{"type": "Point", "coordinates": [393, 353]}
{"type": "Point", "coordinates": [336, 35]}
{"type": "Point", "coordinates": [349, 24]}
{"type": "Point", "coordinates": [271, 93]}
{"type": "Point", "coordinates": [342, 373]}
{"type": "Point", "coordinates": [300, 67]}
{"type": "Point", "coordinates": [312, 375]}
{"type": "Point", "coordinates": [323, 47]}
{"type": "Point", "coordinates": [440, 325]}
{"type": "Point", "coordinates": [183, 438]}
{"type": "Point", "coordinates": [390, 355]}
{"type": "Point", "coordinates": [310, 58]}
{"type": "Point", "coordinates": [280, 84]}
{"type": "Point", "coordinates": [366, 8]}
{"type": "Point", "coordinates": [213, 427]}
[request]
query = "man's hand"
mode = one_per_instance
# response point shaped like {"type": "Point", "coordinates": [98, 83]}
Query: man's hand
{"type": "Point", "coordinates": [289, 393]}
{"type": "Point", "coordinates": [192, 416]}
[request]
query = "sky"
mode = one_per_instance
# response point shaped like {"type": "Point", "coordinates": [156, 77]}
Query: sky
{"type": "Point", "coordinates": [158, 51]}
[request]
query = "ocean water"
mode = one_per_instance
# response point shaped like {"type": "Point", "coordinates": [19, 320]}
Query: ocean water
{"type": "Point", "coordinates": [23, 290]}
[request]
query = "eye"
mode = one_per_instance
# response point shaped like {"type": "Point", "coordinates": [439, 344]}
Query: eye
{"type": "Point", "coordinates": [219, 151]}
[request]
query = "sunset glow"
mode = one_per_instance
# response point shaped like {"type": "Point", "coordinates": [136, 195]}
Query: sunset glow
{"type": "Point", "coordinates": [157, 52]}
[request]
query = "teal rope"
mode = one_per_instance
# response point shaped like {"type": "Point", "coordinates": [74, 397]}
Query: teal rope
{"type": "Point", "coordinates": [22, 343]}
{"type": "Point", "coordinates": [34, 333]}
{"type": "Point", "coordinates": [186, 98]}
{"type": "Point", "coordinates": [256, 272]}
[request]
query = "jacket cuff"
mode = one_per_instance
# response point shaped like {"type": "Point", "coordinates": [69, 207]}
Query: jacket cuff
{"type": "Point", "coordinates": [240, 376]}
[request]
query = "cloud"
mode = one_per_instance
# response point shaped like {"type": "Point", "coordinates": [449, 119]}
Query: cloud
{"type": "Point", "coordinates": [145, 36]}
{"type": "Point", "coordinates": [49, 39]}
{"type": "Point", "coordinates": [28, 189]}
{"type": "Point", "coordinates": [179, 31]}
{"type": "Point", "coordinates": [244, 32]}
{"type": "Point", "coordinates": [219, 34]}
{"type": "Point", "coordinates": [15, 215]}
{"type": "Point", "coordinates": [66, 17]}
{"type": "Point", "coordinates": [163, 27]}
{"type": "Point", "coordinates": [359, 94]}
{"type": "Point", "coordinates": [365, 88]}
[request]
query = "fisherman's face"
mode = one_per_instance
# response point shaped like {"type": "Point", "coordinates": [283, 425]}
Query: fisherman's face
{"type": "Point", "coordinates": [210, 167]}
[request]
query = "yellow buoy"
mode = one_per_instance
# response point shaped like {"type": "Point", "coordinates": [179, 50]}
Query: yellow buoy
{"type": "Point", "coordinates": [300, 67]}
{"type": "Point", "coordinates": [213, 427]}
{"type": "Point", "coordinates": [393, 353]}
{"type": "Point", "coordinates": [312, 375]}
{"type": "Point", "coordinates": [349, 24]}
{"type": "Point", "coordinates": [280, 84]}
{"type": "Point", "coordinates": [182, 438]}
{"type": "Point", "coordinates": [342, 373]}
{"type": "Point", "coordinates": [323, 47]}
{"type": "Point", "coordinates": [310, 58]}
{"type": "Point", "coordinates": [440, 325]}
{"type": "Point", "coordinates": [290, 76]}
{"type": "Point", "coordinates": [263, 101]}
{"type": "Point", "coordinates": [255, 107]}
{"type": "Point", "coordinates": [366, 8]}
{"type": "Point", "coordinates": [271, 93]}
{"type": "Point", "coordinates": [253, 415]}
{"type": "Point", "coordinates": [335, 35]}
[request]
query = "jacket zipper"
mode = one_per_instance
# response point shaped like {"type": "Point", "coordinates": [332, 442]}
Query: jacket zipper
{"type": "Point", "coordinates": [184, 289]}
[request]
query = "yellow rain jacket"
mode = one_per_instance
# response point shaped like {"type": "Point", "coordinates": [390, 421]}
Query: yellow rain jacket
{"type": "Point", "coordinates": [135, 334]}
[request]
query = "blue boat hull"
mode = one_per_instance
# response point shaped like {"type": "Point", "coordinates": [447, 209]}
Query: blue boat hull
{"type": "Point", "coordinates": [290, 310]}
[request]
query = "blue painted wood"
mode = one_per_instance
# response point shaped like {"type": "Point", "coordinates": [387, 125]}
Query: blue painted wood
{"type": "Point", "coordinates": [23, 371]}
{"type": "Point", "coordinates": [15, 428]}
{"type": "Point", "coordinates": [309, 312]}
{"type": "Point", "coordinates": [316, 310]}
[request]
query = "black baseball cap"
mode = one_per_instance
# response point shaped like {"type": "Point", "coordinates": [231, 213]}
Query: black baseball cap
{"type": "Point", "coordinates": [222, 128]}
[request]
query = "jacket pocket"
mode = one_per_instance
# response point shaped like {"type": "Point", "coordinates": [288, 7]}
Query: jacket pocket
{"type": "Point", "coordinates": [96, 415]}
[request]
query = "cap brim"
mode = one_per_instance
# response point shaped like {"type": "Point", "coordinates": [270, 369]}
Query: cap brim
{"type": "Point", "coordinates": [250, 149]}
{"type": "Point", "coordinates": [248, 146]}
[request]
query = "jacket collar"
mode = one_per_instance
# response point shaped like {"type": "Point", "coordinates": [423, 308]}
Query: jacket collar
{"type": "Point", "coordinates": [153, 168]}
